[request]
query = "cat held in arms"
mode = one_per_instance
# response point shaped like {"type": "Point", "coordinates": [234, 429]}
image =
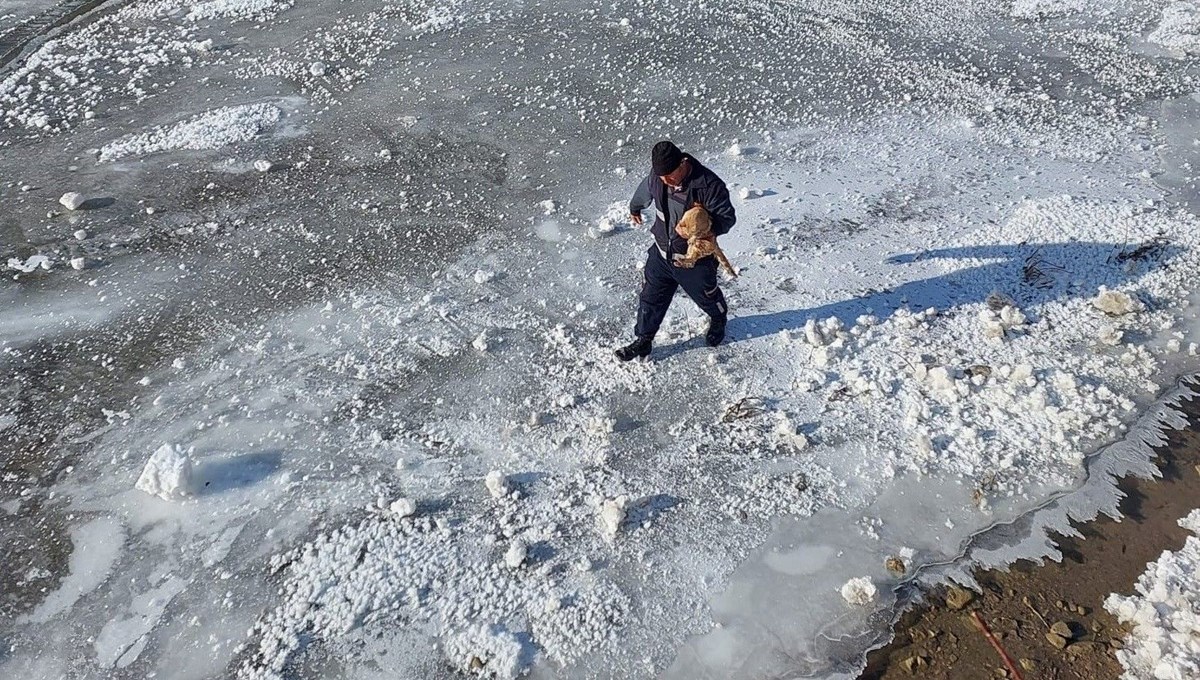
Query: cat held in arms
{"type": "Point", "coordinates": [696, 227]}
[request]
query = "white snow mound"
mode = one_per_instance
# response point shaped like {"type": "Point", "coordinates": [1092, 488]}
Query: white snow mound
{"type": "Point", "coordinates": [168, 474]}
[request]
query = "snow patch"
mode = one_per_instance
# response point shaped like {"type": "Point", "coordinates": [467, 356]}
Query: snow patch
{"type": "Point", "coordinates": [27, 266]}
{"type": "Point", "coordinates": [238, 9]}
{"type": "Point", "coordinates": [122, 639]}
{"type": "Point", "coordinates": [1165, 614]}
{"type": "Point", "coordinates": [1179, 28]}
{"type": "Point", "coordinates": [1037, 9]}
{"type": "Point", "coordinates": [209, 130]}
{"type": "Point", "coordinates": [490, 651]}
{"type": "Point", "coordinates": [96, 546]}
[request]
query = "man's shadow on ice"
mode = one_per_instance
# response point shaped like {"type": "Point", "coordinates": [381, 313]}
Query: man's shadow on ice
{"type": "Point", "coordinates": [1029, 273]}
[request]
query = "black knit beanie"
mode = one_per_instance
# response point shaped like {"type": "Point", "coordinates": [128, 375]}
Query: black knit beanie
{"type": "Point", "coordinates": [665, 158]}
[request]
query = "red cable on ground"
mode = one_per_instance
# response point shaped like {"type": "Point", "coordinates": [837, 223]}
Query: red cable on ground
{"type": "Point", "coordinates": [996, 643]}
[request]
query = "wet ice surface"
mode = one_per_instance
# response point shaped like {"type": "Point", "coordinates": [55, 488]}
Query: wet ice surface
{"type": "Point", "coordinates": [16, 12]}
{"type": "Point", "coordinates": [343, 265]}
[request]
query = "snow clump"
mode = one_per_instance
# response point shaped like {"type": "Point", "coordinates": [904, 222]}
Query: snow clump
{"type": "Point", "coordinates": [72, 200]}
{"type": "Point", "coordinates": [403, 507]}
{"type": "Point", "coordinates": [600, 426]}
{"type": "Point", "coordinates": [209, 130]}
{"type": "Point", "coordinates": [612, 515]}
{"type": "Point", "coordinates": [790, 435]}
{"type": "Point", "coordinates": [1165, 641]}
{"type": "Point", "coordinates": [497, 484]}
{"type": "Point", "coordinates": [515, 556]}
{"type": "Point", "coordinates": [1110, 335]}
{"type": "Point", "coordinates": [999, 323]}
{"type": "Point", "coordinates": [481, 342]}
{"type": "Point", "coordinates": [859, 591]}
{"type": "Point", "coordinates": [1116, 303]}
{"type": "Point", "coordinates": [168, 474]}
{"type": "Point", "coordinates": [614, 219]}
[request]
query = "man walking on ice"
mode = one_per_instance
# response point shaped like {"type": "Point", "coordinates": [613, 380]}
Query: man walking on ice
{"type": "Point", "coordinates": [676, 182]}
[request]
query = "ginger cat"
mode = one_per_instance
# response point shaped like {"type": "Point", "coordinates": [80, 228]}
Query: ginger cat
{"type": "Point", "coordinates": [696, 227]}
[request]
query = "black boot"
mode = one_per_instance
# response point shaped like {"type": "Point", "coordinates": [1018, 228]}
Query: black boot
{"type": "Point", "coordinates": [637, 348]}
{"type": "Point", "coordinates": [716, 332]}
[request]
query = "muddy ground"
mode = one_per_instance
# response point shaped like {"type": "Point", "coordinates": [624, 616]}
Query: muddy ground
{"type": "Point", "coordinates": [941, 639]}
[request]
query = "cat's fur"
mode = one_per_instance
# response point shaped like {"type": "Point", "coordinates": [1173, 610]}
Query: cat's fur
{"type": "Point", "coordinates": [696, 227]}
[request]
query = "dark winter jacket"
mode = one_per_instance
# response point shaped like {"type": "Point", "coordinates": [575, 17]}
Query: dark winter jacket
{"type": "Point", "coordinates": [700, 186]}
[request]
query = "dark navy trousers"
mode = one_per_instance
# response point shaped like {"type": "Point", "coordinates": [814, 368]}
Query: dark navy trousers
{"type": "Point", "coordinates": [661, 279]}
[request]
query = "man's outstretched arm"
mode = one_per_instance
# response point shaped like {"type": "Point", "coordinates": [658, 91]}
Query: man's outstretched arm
{"type": "Point", "coordinates": [640, 201]}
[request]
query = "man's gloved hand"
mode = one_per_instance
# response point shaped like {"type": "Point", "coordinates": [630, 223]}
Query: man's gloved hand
{"type": "Point", "coordinates": [636, 218]}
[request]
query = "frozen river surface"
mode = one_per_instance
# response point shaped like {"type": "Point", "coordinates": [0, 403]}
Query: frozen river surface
{"type": "Point", "coordinates": [317, 379]}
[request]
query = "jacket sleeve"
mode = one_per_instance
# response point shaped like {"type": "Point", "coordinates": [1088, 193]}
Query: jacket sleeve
{"type": "Point", "coordinates": [720, 208]}
{"type": "Point", "coordinates": [641, 197]}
